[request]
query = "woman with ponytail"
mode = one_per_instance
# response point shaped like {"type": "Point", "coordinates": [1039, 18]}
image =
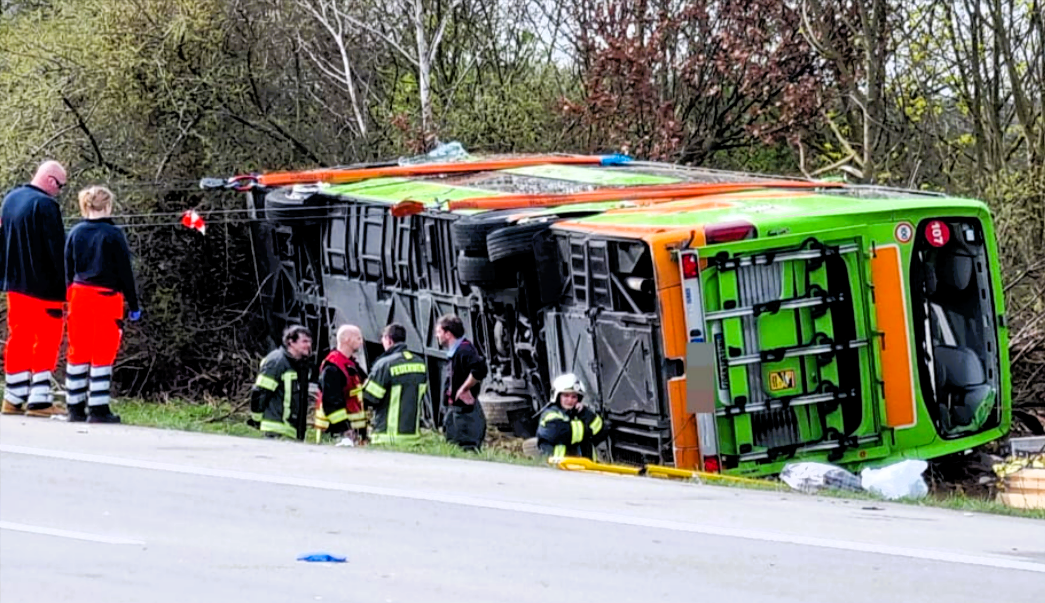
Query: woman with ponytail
{"type": "Point", "coordinates": [100, 279]}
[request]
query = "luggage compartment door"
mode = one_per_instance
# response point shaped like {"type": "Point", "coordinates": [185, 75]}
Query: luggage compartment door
{"type": "Point", "coordinates": [790, 331]}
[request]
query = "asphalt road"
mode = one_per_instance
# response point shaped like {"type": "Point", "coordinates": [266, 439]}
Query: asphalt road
{"type": "Point", "coordinates": [118, 513]}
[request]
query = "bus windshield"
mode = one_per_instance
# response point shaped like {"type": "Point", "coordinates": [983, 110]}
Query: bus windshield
{"type": "Point", "coordinates": [957, 344]}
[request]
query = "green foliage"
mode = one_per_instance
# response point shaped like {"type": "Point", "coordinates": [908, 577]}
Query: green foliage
{"type": "Point", "coordinates": [519, 114]}
{"type": "Point", "coordinates": [1017, 201]}
{"type": "Point", "coordinates": [775, 158]}
{"type": "Point", "coordinates": [131, 95]}
{"type": "Point", "coordinates": [209, 416]}
{"type": "Point", "coordinates": [213, 415]}
{"type": "Point", "coordinates": [434, 444]}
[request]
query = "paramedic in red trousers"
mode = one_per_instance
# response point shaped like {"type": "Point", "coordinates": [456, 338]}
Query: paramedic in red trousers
{"type": "Point", "coordinates": [465, 421]}
{"type": "Point", "coordinates": [98, 270]}
{"type": "Point", "coordinates": [32, 237]}
{"type": "Point", "coordinates": [339, 409]}
{"type": "Point", "coordinates": [279, 398]}
{"type": "Point", "coordinates": [568, 427]}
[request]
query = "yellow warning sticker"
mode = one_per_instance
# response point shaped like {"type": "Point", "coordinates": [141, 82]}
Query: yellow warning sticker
{"type": "Point", "coordinates": [779, 380]}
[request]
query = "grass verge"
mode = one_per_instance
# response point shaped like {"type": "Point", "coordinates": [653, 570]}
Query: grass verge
{"type": "Point", "coordinates": [217, 416]}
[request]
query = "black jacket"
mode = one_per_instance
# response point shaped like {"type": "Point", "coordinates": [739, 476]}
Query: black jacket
{"type": "Point", "coordinates": [279, 398]}
{"type": "Point", "coordinates": [466, 360]}
{"type": "Point", "coordinates": [97, 254]}
{"type": "Point", "coordinates": [32, 238]}
{"type": "Point", "coordinates": [465, 424]}
{"type": "Point", "coordinates": [395, 390]}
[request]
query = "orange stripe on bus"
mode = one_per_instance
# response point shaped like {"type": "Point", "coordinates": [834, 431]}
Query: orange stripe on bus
{"type": "Point", "coordinates": [673, 323]}
{"type": "Point", "coordinates": [891, 310]}
{"type": "Point", "coordinates": [673, 331]}
{"type": "Point", "coordinates": [683, 426]}
{"type": "Point", "coordinates": [345, 175]}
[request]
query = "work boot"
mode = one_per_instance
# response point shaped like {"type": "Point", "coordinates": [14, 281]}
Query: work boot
{"type": "Point", "coordinates": [77, 413]}
{"type": "Point", "coordinates": [101, 414]}
{"type": "Point", "coordinates": [42, 409]}
{"type": "Point", "coordinates": [11, 409]}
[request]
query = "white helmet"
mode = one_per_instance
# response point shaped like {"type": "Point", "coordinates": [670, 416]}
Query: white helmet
{"type": "Point", "coordinates": [568, 383]}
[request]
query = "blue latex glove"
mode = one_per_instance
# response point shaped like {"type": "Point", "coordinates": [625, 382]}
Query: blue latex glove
{"type": "Point", "coordinates": [322, 557]}
{"type": "Point", "coordinates": [134, 316]}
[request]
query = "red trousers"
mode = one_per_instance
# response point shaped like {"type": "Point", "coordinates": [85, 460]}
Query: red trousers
{"type": "Point", "coordinates": [95, 332]}
{"type": "Point", "coordinates": [34, 334]}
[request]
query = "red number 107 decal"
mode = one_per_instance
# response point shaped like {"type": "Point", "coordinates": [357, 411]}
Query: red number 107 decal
{"type": "Point", "coordinates": [937, 233]}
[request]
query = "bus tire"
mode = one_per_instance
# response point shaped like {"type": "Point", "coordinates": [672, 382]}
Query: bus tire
{"type": "Point", "coordinates": [288, 207]}
{"type": "Point", "coordinates": [499, 409]}
{"type": "Point", "coordinates": [469, 233]}
{"type": "Point", "coordinates": [479, 271]}
{"type": "Point", "coordinates": [514, 240]}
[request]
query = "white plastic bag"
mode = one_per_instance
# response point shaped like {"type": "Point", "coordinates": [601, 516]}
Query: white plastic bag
{"type": "Point", "coordinates": [899, 480]}
{"type": "Point", "coordinates": [812, 477]}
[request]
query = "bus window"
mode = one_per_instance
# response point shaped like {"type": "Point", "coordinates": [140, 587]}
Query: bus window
{"type": "Point", "coordinates": [957, 338]}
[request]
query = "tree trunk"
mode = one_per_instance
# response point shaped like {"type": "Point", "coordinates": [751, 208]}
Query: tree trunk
{"type": "Point", "coordinates": [424, 73]}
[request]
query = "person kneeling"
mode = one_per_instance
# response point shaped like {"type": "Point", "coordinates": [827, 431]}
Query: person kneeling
{"type": "Point", "coordinates": [568, 427]}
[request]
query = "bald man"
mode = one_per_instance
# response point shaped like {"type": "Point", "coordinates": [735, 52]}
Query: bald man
{"type": "Point", "coordinates": [339, 409]}
{"type": "Point", "coordinates": [32, 259]}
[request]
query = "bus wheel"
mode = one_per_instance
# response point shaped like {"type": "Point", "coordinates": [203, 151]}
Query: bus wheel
{"type": "Point", "coordinates": [469, 233]}
{"type": "Point", "coordinates": [514, 240]}
{"type": "Point", "coordinates": [481, 271]}
{"type": "Point", "coordinates": [295, 206]}
{"type": "Point", "coordinates": [500, 409]}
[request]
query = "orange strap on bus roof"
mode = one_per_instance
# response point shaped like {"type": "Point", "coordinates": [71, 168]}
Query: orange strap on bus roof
{"type": "Point", "coordinates": [345, 175]}
{"type": "Point", "coordinates": [657, 192]}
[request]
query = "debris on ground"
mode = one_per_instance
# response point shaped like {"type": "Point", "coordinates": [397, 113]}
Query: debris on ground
{"type": "Point", "coordinates": [969, 475]}
{"type": "Point", "coordinates": [498, 440]}
{"type": "Point", "coordinates": [812, 477]}
{"type": "Point", "coordinates": [896, 481]}
{"type": "Point", "coordinates": [1022, 481]}
{"type": "Point", "coordinates": [1028, 446]}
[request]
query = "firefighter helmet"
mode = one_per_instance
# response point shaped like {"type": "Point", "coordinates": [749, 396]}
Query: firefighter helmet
{"type": "Point", "coordinates": [568, 383]}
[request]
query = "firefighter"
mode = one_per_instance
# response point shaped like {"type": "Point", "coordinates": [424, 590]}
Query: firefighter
{"type": "Point", "coordinates": [32, 272]}
{"type": "Point", "coordinates": [567, 426]}
{"type": "Point", "coordinates": [279, 398]}
{"type": "Point", "coordinates": [395, 390]}
{"type": "Point", "coordinates": [339, 409]}
{"type": "Point", "coordinates": [465, 420]}
{"type": "Point", "coordinates": [100, 278]}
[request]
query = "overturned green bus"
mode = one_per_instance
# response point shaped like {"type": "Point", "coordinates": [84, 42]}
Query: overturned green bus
{"type": "Point", "coordinates": [723, 321]}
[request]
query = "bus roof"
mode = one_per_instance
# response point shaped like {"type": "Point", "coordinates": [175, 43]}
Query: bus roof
{"type": "Point", "coordinates": [768, 208]}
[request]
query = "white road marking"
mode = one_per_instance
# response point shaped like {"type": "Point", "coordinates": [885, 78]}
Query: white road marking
{"type": "Point", "coordinates": [523, 507]}
{"type": "Point", "coordinates": [19, 527]}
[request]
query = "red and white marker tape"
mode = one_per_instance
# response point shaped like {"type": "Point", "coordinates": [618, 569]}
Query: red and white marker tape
{"type": "Point", "coordinates": [192, 219]}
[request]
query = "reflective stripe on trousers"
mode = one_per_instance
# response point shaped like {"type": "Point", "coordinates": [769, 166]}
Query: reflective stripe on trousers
{"type": "Point", "coordinates": [284, 429]}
